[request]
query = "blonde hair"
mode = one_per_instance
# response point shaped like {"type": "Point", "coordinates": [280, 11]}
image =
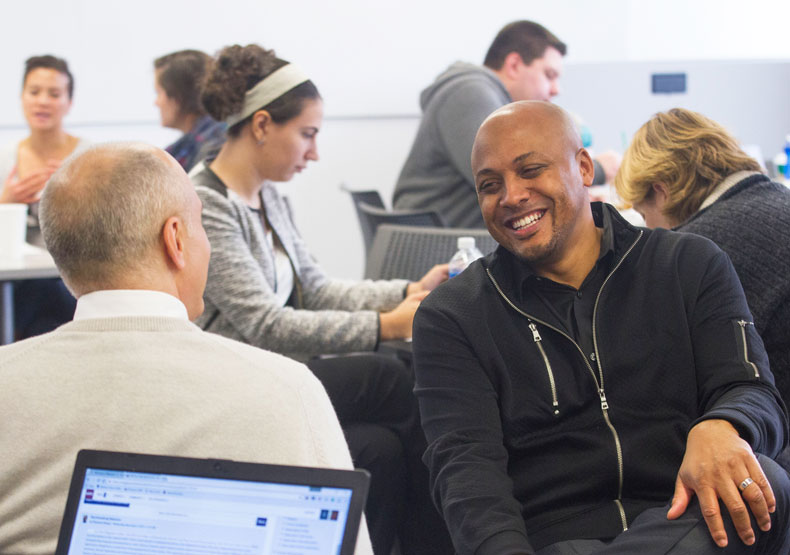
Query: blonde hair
{"type": "Point", "coordinates": [685, 151]}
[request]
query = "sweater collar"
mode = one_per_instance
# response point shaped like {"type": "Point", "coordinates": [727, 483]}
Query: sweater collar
{"type": "Point", "coordinates": [729, 182]}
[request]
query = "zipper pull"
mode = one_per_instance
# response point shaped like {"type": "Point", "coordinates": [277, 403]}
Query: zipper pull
{"type": "Point", "coordinates": [604, 403]}
{"type": "Point", "coordinates": [744, 323]}
{"type": "Point", "coordinates": [535, 334]}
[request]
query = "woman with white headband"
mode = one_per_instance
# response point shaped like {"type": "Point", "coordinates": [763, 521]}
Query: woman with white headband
{"type": "Point", "coordinates": [265, 289]}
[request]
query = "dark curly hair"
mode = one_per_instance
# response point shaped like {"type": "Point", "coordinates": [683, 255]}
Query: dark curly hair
{"type": "Point", "coordinates": [181, 75]}
{"type": "Point", "coordinates": [239, 68]}
{"type": "Point", "coordinates": [48, 61]}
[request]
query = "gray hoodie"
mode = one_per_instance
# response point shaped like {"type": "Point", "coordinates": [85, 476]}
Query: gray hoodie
{"type": "Point", "coordinates": [437, 174]}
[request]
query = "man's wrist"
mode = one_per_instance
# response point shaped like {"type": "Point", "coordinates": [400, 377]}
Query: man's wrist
{"type": "Point", "coordinates": [714, 423]}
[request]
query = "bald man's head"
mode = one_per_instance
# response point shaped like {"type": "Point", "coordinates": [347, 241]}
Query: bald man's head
{"type": "Point", "coordinates": [539, 118]}
{"type": "Point", "coordinates": [102, 212]}
{"type": "Point", "coordinates": [531, 174]}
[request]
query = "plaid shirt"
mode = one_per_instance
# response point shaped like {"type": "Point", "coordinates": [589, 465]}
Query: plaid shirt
{"type": "Point", "coordinates": [204, 140]}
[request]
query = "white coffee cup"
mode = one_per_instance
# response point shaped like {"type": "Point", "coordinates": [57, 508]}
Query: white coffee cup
{"type": "Point", "coordinates": [13, 228]}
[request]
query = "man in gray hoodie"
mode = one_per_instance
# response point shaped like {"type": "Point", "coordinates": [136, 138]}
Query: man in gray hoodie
{"type": "Point", "coordinates": [523, 63]}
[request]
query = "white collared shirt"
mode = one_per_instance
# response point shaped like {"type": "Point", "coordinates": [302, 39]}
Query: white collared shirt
{"type": "Point", "coordinates": [129, 302]}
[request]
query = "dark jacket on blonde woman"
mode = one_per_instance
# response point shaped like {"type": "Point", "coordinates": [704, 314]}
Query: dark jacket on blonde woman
{"type": "Point", "coordinates": [748, 217]}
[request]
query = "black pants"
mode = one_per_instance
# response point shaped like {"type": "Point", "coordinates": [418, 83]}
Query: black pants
{"type": "Point", "coordinates": [652, 534]}
{"type": "Point", "coordinates": [373, 398]}
{"type": "Point", "coordinates": [41, 305]}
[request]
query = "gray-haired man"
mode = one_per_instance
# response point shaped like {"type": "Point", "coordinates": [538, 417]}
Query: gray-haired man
{"type": "Point", "coordinates": [131, 372]}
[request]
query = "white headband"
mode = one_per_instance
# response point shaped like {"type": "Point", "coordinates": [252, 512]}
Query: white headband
{"type": "Point", "coordinates": [268, 89]}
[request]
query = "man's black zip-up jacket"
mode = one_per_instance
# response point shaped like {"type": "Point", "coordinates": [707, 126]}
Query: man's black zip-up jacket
{"type": "Point", "coordinates": [531, 442]}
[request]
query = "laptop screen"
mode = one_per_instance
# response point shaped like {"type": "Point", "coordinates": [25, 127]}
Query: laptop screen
{"type": "Point", "coordinates": [131, 512]}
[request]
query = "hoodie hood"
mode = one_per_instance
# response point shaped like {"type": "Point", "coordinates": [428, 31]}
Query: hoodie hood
{"type": "Point", "coordinates": [458, 72]}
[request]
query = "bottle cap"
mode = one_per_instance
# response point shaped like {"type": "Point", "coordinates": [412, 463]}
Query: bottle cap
{"type": "Point", "coordinates": [466, 243]}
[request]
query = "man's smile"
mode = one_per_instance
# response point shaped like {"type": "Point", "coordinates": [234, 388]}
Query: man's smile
{"type": "Point", "coordinates": [523, 223]}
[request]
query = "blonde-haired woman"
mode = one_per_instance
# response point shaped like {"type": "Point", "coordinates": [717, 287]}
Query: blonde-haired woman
{"type": "Point", "coordinates": [685, 171]}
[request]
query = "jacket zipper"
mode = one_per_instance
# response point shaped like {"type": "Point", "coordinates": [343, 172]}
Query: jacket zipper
{"type": "Point", "coordinates": [536, 336]}
{"type": "Point", "coordinates": [743, 324]}
{"type": "Point", "coordinates": [604, 404]}
{"type": "Point", "coordinates": [599, 382]}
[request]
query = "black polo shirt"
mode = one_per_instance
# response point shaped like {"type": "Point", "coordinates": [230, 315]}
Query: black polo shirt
{"type": "Point", "coordinates": [574, 307]}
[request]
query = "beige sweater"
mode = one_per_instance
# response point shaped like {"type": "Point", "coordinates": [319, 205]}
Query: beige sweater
{"type": "Point", "coordinates": [150, 385]}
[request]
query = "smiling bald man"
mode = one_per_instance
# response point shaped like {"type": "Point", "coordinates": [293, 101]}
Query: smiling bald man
{"type": "Point", "coordinates": [592, 387]}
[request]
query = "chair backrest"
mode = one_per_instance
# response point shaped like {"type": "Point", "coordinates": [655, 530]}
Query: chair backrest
{"type": "Point", "coordinates": [370, 198]}
{"type": "Point", "coordinates": [371, 217]}
{"type": "Point", "coordinates": [408, 252]}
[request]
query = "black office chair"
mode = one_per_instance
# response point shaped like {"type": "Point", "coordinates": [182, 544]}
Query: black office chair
{"type": "Point", "coordinates": [371, 198]}
{"type": "Point", "coordinates": [408, 252]}
{"type": "Point", "coordinates": [377, 216]}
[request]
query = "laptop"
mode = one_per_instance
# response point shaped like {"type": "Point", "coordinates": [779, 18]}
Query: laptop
{"type": "Point", "coordinates": [125, 503]}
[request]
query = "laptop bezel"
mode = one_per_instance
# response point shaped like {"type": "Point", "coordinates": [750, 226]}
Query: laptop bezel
{"type": "Point", "coordinates": [355, 480]}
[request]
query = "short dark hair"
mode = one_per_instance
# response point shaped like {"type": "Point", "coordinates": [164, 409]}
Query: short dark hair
{"type": "Point", "coordinates": [526, 38]}
{"type": "Point", "coordinates": [238, 69]}
{"type": "Point", "coordinates": [49, 61]}
{"type": "Point", "coordinates": [181, 75]}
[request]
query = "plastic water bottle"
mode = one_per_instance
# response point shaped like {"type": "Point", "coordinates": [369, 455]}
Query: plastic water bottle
{"type": "Point", "coordinates": [787, 158]}
{"type": "Point", "coordinates": [466, 254]}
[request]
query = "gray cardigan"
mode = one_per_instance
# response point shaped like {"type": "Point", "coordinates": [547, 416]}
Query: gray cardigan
{"type": "Point", "coordinates": [326, 316]}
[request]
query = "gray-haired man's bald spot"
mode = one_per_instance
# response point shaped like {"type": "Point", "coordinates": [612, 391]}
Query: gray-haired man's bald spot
{"type": "Point", "coordinates": [102, 212]}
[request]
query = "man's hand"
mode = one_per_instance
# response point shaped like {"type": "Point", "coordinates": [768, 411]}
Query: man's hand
{"type": "Point", "coordinates": [396, 324]}
{"type": "Point", "coordinates": [429, 281]}
{"type": "Point", "coordinates": [29, 189]}
{"type": "Point", "coordinates": [716, 463]}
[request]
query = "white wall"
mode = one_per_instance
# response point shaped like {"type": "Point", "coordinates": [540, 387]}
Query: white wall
{"type": "Point", "coordinates": [370, 60]}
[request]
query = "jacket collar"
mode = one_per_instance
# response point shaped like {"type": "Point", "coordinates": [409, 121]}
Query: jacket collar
{"type": "Point", "coordinates": [728, 188]}
{"type": "Point", "coordinates": [511, 271]}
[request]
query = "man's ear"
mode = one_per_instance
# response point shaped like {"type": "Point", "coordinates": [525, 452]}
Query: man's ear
{"type": "Point", "coordinates": [511, 66]}
{"type": "Point", "coordinates": [586, 166]}
{"type": "Point", "coordinates": [173, 235]}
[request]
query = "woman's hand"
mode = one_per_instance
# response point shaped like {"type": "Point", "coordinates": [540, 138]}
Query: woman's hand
{"type": "Point", "coordinates": [28, 189]}
{"type": "Point", "coordinates": [396, 324]}
{"type": "Point", "coordinates": [429, 281]}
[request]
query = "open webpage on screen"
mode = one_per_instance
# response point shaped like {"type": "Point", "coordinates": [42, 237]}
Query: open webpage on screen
{"type": "Point", "coordinates": [124, 513]}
